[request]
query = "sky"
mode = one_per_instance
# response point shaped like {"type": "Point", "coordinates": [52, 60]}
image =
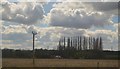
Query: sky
{"type": "Point", "coordinates": [53, 20]}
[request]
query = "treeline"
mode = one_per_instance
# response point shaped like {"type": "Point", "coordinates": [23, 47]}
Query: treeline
{"type": "Point", "coordinates": [80, 43]}
{"type": "Point", "coordinates": [64, 54]}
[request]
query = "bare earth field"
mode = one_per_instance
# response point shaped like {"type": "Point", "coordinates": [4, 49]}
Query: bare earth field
{"type": "Point", "coordinates": [58, 63]}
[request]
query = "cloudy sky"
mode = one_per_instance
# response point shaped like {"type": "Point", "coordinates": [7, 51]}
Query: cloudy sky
{"type": "Point", "coordinates": [52, 20]}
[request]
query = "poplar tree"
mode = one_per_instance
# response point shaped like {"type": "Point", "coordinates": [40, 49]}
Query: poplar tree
{"type": "Point", "coordinates": [64, 43]}
{"type": "Point", "coordinates": [101, 44]}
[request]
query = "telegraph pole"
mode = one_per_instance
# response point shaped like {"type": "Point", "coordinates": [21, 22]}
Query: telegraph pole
{"type": "Point", "coordinates": [34, 33]}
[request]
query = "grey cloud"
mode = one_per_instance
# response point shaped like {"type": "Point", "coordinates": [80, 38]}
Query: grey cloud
{"type": "Point", "coordinates": [108, 8]}
{"type": "Point", "coordinates": [105, 6]}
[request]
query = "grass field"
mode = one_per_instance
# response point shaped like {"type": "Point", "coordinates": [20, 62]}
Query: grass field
{"type": "Point", "coordinates": [59, 63]}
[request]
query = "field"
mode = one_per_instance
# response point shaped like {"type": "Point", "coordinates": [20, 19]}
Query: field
{"type": "Point", "coordinates": [59, 63]}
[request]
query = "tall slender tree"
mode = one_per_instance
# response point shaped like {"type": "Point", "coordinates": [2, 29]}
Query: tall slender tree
{"type": "Point", "coordinates": [97, 44]}
{"type": "Point", "coordinates": [59, 47]}
{"type": "Point", "coordinates": [76, 43]}
{"type": "Point", "coordinates": [71, 42]}
{"type": "Point", "coordinates": [91, 46]}
{"type": "Point", "coordinates": [84, 44]}
{"type": "Point", "coordinates": [89, 43]}
{"type": "Point", "coordinates": [80, 43]}
{"type": "Point", "coordinates": [64, 43]}
{"type": "Point", "coordinates": [94, 43]}
{"type": "Point", "coordinates": [68, 42]}
{"type": "Point", "coordinates": [101, 44]}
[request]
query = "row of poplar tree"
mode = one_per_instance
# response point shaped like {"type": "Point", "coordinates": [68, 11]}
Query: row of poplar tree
{"type": "Point", "coordinates": [80, 43]}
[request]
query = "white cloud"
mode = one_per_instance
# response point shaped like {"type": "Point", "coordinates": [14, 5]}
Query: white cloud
{"type": "Point", "coordinates": [22, 12]}
{"type": "Point", "coordinates": [33, 0]}
{"type": "Point", "coordinates": [75, 15]}
{"type": "Point", "coordinates": [3, 1]}
{"type": "Point", "coordinates": [50, 36]}
{"type": "Point", "coordinates": [111, 0]}
{"type": "Point", "coordinates": [14, 29]}
{"type": "Point", "coordinates": [24, 1]}
{"type": "Point", "coordinates": [88, 0]}
{"type": "Point", "coordinates": [79, 0]}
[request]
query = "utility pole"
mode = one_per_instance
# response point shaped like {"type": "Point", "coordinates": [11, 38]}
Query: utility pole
{"type": "Point", "coordinates": [34, 33]}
